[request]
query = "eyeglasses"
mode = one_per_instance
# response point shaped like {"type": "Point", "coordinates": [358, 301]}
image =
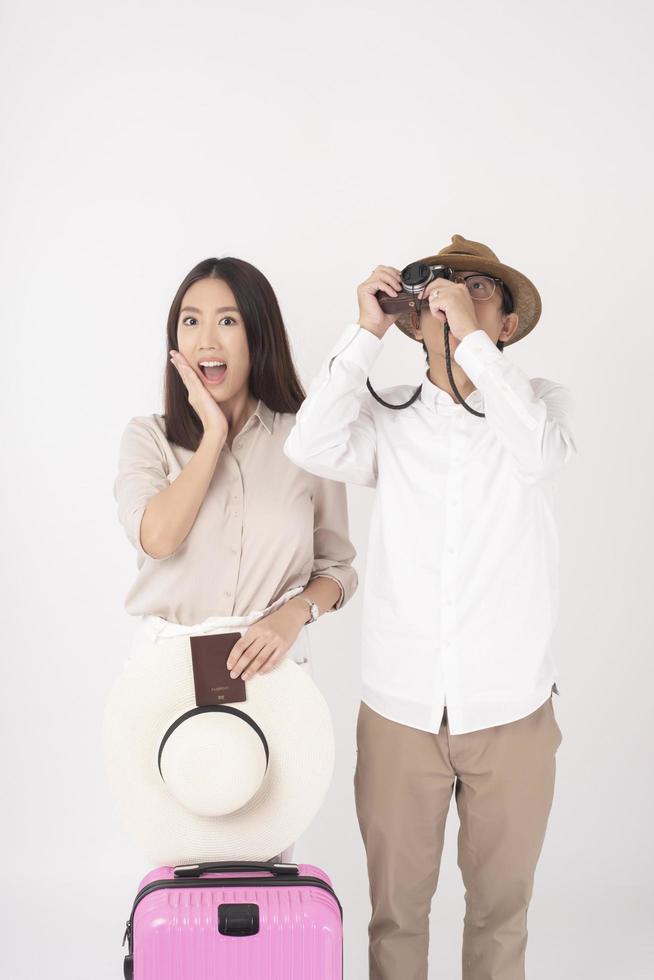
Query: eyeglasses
{"type": "Point", "coordinates": [480, 288]}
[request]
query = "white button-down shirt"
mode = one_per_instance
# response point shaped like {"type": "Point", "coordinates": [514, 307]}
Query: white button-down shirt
{"type": "Point", "coordinates": [461, 588]}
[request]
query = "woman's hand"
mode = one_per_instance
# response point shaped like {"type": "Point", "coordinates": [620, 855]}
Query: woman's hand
{"type": "Point", "coordinates": [371, 315]}
{"type": "Point", "coordinates": [264, 644]}
{"type": "Point", "coordinates": [208, 410]}
{"type": "Point", "coordinates": [454, 304]}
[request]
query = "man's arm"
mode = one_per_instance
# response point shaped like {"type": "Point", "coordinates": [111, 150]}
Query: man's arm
{"type": "Point", "coordinates": [334, 434]}
{"type": "Point", "coordinates": [334, 431]}
{"type": "Point", "coordinates": [532, 419]}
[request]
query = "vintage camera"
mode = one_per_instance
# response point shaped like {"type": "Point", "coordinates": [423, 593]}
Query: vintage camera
{"type": "Point", "coordinates": [414, 278]}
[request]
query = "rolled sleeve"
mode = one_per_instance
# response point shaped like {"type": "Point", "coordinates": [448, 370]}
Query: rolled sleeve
{"type": "Point", "coordinates": [333, 551]}
{"type": "Point", "coordinates": [142, 473]}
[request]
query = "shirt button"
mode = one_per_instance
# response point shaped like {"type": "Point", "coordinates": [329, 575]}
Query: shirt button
{"type": "Point", "coordinates": [234, 551]}
{"type": "Point", "coordinates": [228, 594]}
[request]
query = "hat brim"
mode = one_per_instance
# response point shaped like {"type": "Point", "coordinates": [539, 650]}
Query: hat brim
{"type": "Point", "coordinates": [526, 298]}
{"type": "Point", "coordinates": [154, 689]}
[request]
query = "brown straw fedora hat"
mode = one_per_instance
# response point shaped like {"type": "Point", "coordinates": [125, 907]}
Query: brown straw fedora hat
{"type": "Point", "coordinates": [466, 254]}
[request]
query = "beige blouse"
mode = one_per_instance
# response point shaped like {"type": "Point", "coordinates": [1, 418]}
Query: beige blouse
{"type": "Point", "coordinates": [264, 527]}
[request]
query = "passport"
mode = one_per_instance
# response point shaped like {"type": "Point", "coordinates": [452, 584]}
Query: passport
{"type": "Point", "coordinates": [213, 685]}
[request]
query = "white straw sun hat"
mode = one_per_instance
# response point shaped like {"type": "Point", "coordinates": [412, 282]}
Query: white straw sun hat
{"type": "Point", "coordinates": [221, 782]}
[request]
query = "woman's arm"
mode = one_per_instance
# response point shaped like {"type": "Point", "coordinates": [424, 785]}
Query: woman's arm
{"type": "Point", "coordinates": [156, 514]}
{"type": "Point", "coordinates": [325, 592]}
{"type": "Point", "coordinates": [170, 515]}
{"type": "Point", "coordinates": [265, 643]}
{"type": "Point", "coordinates": [332, 582]}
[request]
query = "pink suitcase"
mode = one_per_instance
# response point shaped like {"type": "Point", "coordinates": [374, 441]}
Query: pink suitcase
{"type": "Point", "coordinates": [243, 920]}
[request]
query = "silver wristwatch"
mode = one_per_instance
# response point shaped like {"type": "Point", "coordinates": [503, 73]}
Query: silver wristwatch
{"type": "Point", "coordinates": [315, 612]}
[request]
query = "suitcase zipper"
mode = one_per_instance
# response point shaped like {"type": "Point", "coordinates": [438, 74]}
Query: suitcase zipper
{"type": "Point", "coordinates": [222, 882]}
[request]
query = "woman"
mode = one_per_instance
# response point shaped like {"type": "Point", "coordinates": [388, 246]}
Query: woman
{"type": "Point", "coordinates": [228, 531]}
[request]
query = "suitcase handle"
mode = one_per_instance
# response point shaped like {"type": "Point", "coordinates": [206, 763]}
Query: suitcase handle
{"type": "Point", "coordinates": [195, 870]}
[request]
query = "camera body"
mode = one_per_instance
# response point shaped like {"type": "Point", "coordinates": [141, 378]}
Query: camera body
{"type": "Point", "coordinates": [414, 278]}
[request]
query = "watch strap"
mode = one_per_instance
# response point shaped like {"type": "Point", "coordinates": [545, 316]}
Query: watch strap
{"type": "Point", "coordinates": [310, 604]}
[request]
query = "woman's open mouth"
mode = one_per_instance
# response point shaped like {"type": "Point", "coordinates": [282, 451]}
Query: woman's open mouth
{"type": "Point", "coordinates": [213, 372]}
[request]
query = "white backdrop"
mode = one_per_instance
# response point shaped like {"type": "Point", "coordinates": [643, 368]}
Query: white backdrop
{"type": "Point", "coordinates": [317, 140]}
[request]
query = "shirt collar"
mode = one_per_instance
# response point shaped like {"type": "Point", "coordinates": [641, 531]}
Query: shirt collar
{"type": "Point", "coordinates": [438, 400]}
{"type": "Point", "coordinates": [265, 415]}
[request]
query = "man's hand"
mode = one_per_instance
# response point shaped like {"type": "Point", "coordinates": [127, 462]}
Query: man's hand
{"type": "Point", "coordinates": [371, 315]}
{"type": "Point", "coordinates": [454, 304]}
{"type": "Point", "coordinates": [263, 644]}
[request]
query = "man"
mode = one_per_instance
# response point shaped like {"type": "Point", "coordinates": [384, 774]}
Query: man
{"type": "Point", "coordinates": [460, 601]}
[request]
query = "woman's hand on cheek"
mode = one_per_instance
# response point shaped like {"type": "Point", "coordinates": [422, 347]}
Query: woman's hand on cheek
{"type": "Point", "coordinates": [264, 644]}
{"type": "Point", "coordinates": [199, 397]}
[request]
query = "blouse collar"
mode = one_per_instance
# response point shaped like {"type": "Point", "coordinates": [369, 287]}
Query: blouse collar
{"type": "Point", "coordinates": [265, 415]}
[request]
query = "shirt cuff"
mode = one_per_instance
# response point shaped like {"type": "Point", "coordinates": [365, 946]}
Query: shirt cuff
{"type": "Point", "coordinates": [475, 353]}
{"type": "Point", "coordinates": [341, 599]}
{"type": "Point", "coordinates": [358, 346]}
{"type": "Point", "coordinates": [137, 519]}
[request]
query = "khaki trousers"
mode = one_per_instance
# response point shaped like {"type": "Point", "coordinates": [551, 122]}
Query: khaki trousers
{"type": "Point", "coordinates": [503, 781]}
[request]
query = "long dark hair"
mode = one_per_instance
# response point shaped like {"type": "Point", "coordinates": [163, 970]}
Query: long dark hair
{"type": "Point", "coordinates": [273, 377]}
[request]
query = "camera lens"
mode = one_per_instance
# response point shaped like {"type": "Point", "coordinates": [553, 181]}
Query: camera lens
{"type": "Point", "coordinates": [415, 276]}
